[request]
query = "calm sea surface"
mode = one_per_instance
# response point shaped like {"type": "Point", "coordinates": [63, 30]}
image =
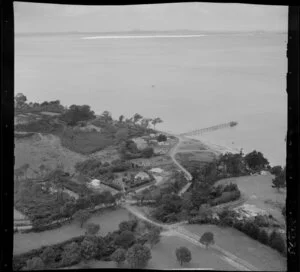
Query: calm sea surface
{"type": "Point", "coordinates": [191, 82]}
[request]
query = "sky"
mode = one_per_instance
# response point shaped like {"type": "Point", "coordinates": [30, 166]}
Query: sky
{"type": "Point", "coordinates": [32, 17]}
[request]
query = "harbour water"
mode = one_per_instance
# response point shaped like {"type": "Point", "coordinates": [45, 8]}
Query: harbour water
{"type": "Point", "coordinates": [189, 82]}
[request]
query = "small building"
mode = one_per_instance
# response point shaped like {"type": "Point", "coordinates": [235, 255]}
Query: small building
{"type": "Point", "coordinates": [95, 183]}
{"type": "Point", "coordinates": [263, 173]}
{"type": "Point", "coordinates": [140, 143]}
{"type": "Point", "coordinates": [156, 170]}
{"type": "Point", "coordinates": [142, 176]}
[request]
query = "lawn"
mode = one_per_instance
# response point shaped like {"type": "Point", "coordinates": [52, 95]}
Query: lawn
{"type": "Point", "coordinates": [109, 221]}
{"type": "Point", "coordinates": [239, 244]}
{"type": "Point", "coordinates": [260, 193]}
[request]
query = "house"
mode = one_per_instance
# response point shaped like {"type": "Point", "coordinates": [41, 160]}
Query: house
{"type": "Point", "coordinates": [95, 183]}
{"type": "Point", "coordinates": [263, 173]}
{"type": "Point", "coordinates": [142, 176]}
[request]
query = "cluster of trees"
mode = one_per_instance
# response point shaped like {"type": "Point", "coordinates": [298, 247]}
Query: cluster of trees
{"type": "Point", "coordinates": [128, 150]}
{"type": "Point", "coordinates": [184, 255]}
{"type": "Point", "coordinates": [77, 113]}
{"type": "Point", "coordinates": [21, 103]}
{"type": "Point", "coordinates": [280, 177]}
{"type": "Point", "coordinates": [96, 168]}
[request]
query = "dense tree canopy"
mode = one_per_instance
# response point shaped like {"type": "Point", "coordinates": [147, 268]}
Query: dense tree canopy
{"type": "Point", "coordinates": [138, 256]}
{"type": "Point", "coordinates": [183, 255]}
{"type": "Point", "coordinates": [77, 113]}
{"type": "Point", "coordinates": [256, 160]}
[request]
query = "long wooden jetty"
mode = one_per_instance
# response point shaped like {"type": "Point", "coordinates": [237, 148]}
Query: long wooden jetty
{"type": "Point", "coordinates": [209, 129]}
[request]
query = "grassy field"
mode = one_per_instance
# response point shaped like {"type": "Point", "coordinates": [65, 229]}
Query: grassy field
{"type": "Point", "coordinates": [259, 192]}
{"type": "Point", "coordinates": [44, 149]}
{"type": "Point", "coordinates": [47, 149]}
{"type": "Point", "coordinates": [86, 142]}
{"type": "Point", "coordinates": [234, 241]}
{"type": "Point", "coordinates": [195, 156]}
{"type": "Point", "coordinates": [109, 221]}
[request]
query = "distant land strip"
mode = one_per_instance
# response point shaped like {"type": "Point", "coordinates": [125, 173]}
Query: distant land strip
{"type": "Point", "coordinates": [141, 36]}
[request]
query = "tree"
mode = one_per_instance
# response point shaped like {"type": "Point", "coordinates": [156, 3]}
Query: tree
{"type": "Point", "coordinates": [36, 263]}
{"type": "Point", "coordinates": [89, 248]}
{"type": "Point", "coordinates": [145, 122]}
{"type": "Point", "coordinates": [119, 256]}
{"type": "Point", "coordinates": [276, 170]}
{"type": "Point", "coordinates": [121, 118]}
{"type": "Point", "coordinates": [137, 117]}
{"type": "Point", "coordinates": [106, 115]}
{"type": "Point", "coordinates": [81, 216]}
{"type": "Point", "coordinates": [153, 236]}
{"type": "Point", "coordinates": [277, 242]}
{"type": "Point", "coordinates": [20, 100]}
{"type": "Point", "coordinates": [161, 138]}
{"type": "Point", "coordinates": [148, 152]}
{"type": "Point", "coordinates": [122, 134]}
{"type": "Point", "coordinates": [138, 256]}
{"type": "Point", "coordinates": [48, 256]}
{"type": "Point", "coordinates": [71, 254]}
{"type": "Point", "coordinates": [92, 229]}
{"type": "Point", "coordinates": [183, 255]}
{"type": "Point", "coordinates": [156, 121]}
{"type": "Point", "coordinates": [125, 239]}
{"type": "Point", "coordinates": [279, 181]}
{"type": "Point", "coordinates": [207, 239]}
{"type": "Point", "coordinates": [129, 225]}
{"type": "Point", "coordinates": [77, 113]}
{"type": "Point", "coordinates": [256, 160]}
{"type": "Point", "coordinates": [263, 237]}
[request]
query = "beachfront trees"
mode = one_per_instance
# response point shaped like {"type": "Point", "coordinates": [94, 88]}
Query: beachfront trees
{"type": "Point", "coordinates": [207, 239]}
{"type": "Point", "coordinates": [155, 121]}
{"type": "Point", "coordinates": [92, 229]}
{"type": "Point", "coordinates": [183, 255]}
{"type": "Point", "coordinates": [138, 256]}
{"type": "Point", "coordinates": [145, 122]}
{"type": "Point", "coordinates": [119, 256]}
{"type": "Point", "coordinates": [81, 216]}
{"type": "Point", "coordinates": [137, 117]}
{"type": "Point", "coordinates": [256, 160]}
